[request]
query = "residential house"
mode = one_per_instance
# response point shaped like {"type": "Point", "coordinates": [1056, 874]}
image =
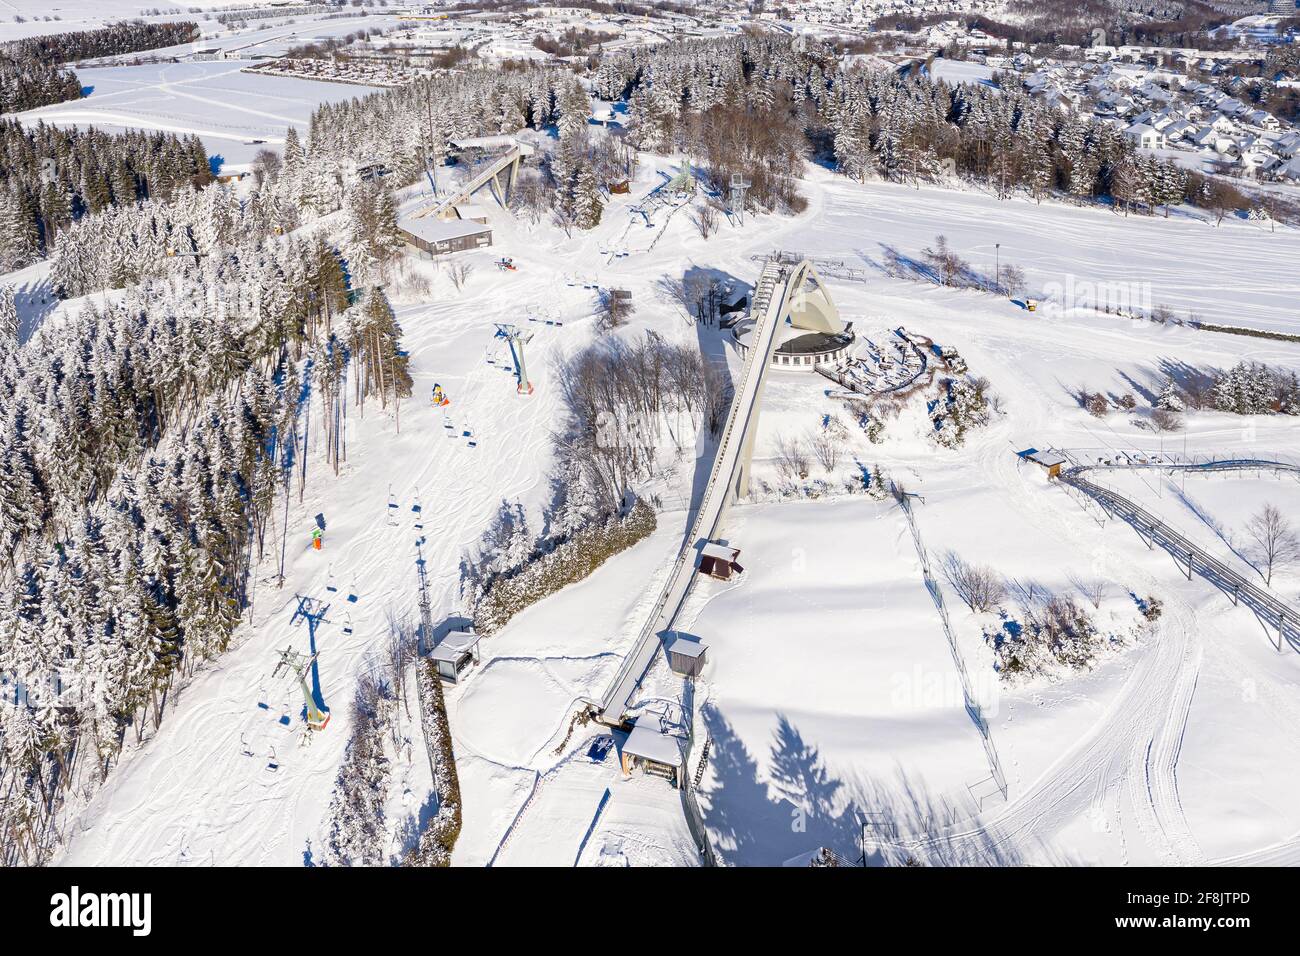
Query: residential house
{"type": "Point", "coordinates": [1146, 136]}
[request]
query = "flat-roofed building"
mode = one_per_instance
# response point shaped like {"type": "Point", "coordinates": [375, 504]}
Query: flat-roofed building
{"type": "Point", "coordinates": [437, 237]}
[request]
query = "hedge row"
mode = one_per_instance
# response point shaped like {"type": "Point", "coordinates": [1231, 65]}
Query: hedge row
{"type": "Point", "coordinates": [439, 837]}
{"type": "Point", "coordinates": [568, 563]}
{"type": "Point", "coordinates": [1243, 330]}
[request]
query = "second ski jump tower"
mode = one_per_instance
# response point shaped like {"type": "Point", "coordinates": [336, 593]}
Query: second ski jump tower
{"type": "Point", "coordinates": [784, 298]}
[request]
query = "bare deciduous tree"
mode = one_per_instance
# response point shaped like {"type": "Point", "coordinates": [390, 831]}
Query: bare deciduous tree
{"type": "Point", "coordinates": [791, 458]}
{"type": "Point", "coordinates": [459, 273]}
{"type": "Point", "coordinates": [980, 588]}
{"type": "Point", "coordinates": [1012, 280]}
{"type": "Point", "coordinates": [706, 220]}
{"type": "Point", "coordinates": [622, 398]}
{"type": "Point", "coordinates": [825, 448]}
{"type": "Point", "coordinates": [399, 651]}
{"type": "Point", "coordinates": [1092, 589]}
{"type": "Point", "coordinates": [1166, 420]}
{"type": "Point", "coordinates": [1275, 540]}
{"type": "Point", "coordinates": [946, 264]}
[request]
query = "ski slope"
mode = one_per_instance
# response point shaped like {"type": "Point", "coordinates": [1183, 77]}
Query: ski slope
{"type": "Point", "coordinates": [1178, 747]}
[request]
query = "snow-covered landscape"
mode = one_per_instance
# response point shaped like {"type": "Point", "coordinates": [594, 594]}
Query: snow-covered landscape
{"type": "Point", "coordinates": [687, 448]}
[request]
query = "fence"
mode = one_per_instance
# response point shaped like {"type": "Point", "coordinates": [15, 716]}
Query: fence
{"type": "Point", "coordinates": [1101, 459]}
{"type": "Point", "coordinates": [973, 708]}
{"type": "Point", "coordinates": [694, 817]}
{"type": "Point", "coordinates": [826, 267]}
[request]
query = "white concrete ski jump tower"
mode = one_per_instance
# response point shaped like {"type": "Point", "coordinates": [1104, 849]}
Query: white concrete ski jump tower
{"type": "Point", "coordinates": [808, 306]}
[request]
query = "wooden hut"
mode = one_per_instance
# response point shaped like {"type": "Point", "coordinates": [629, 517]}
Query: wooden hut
{"type": "Point", "coordinates": [719, 561]}
{"type": "Point", "coordinates": [1050, 461]}
{"type": "Point", "coordinates": [686, 655]}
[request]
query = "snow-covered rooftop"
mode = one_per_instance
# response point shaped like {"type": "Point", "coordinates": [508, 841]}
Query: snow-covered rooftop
{"type": "Point", "coordinates": [452, 647]}
{"type": "Point", "coordinates": [722, 552]}
{"type": "Point", "coordinates": [1047, 459]}
{"type": "Point", "coordinates": [648, 739]}
{"type": "Point", "coordinates": [687, 646]}
{"type": "Point", "coordinates": [432, 229]}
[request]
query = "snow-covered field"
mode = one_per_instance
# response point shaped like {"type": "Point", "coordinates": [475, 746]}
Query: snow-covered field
{"type": "Point", "coordinates": [235, 114]}
{"type": "Point", "coordinates": [27, 18]}
{"type": "Point", "coordinates": [1215, 511]}
{"type": "Point", "coordinates": [272, 34]}
{"type": "Point", "coordinates": [829, 669]}
{"type": "Point", "coordinates": [830, 688]}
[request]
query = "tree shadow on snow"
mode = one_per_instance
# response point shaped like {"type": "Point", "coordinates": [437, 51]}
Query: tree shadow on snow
{"type": "Point", "coordinates": [34, 302]}
{"type": "Point", "coordinates": [1187, 377]}
{"type": "Point", "coordinates": [1148, 393]}
{"type": "Point", "coordinates": [757, 819]}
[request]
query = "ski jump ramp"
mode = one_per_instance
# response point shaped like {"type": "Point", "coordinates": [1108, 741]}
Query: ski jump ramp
{"type": "Point", "coordinates": [796, 294]}
{"type": "Point", "coordinates": [507, 163]}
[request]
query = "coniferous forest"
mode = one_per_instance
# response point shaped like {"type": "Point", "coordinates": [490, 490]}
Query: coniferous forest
{"type": "Point", "coordinates": [51, 177]}
{"type": "Point", "coordinates": [31, 74]}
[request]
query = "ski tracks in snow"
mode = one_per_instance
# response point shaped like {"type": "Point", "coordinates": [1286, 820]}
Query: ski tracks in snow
{"type": "Point", "coordinates": [1132, 751]}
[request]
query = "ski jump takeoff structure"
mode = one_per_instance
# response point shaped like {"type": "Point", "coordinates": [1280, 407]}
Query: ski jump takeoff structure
{"type": "Point", "coordinates": [796, 295]}
{"type": "Point", "coordinates": [1191, 558]}
{"type": "Point", "coordinates": [499, 175]}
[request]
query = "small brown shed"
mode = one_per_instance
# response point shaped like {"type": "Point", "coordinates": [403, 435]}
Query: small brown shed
{"type": "Point", "coordinates": [686, 655]}
{"type": "Point", "coordinates": [1049, 461]}
{"type": "Point", "coordinates": [719, 561]}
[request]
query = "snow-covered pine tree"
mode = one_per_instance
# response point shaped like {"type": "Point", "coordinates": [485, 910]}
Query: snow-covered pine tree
{"type": "Point", "coordinates": [587, 204]}
{"type": "Point", "coordinates": [19, 240]}
{"type": "Point", "coordinates": [1170, 398]}
{"type": "Point", "coordinates": [8, 322]}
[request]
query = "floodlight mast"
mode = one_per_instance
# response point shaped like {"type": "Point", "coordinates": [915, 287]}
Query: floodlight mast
{"type": "Point", "coordinates": [739, 184]}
